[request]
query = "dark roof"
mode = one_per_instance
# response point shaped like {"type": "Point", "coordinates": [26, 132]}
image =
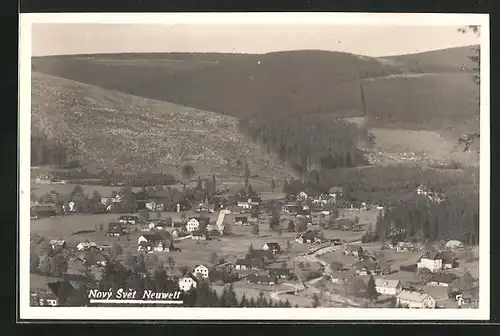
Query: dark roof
{"type": "Point", "coordinates": [442, 277]}
{"type": "Point", "coordinates": [266, 277]}
{"type": "Point", "coordinates": [152, 236]}
{"type": "Point", "coordinates": [240, 218]}
{"type": "Point", "coordinates": [280, 271]}
{"type": "Point", "coordinates": [190, 275]}
{"type": "Point", "coordinates": [201, 220]}
{"type": "Point", "coordinates": [438, 293]}
{"type": "Point", "coordinates": [336, 189]}
{"type": "Point", "coordinates": [367, 263]}
{"type": "Point", "coordinates": [62, 289]}
{"type": "Point", "coordinates": [274, 245]}
{"type": "Point", "coordinates": [260, 254]}
{"type": "Point", "coordinates": [250, 262]}
{"type": "Point", "coordinates": [432, 255]}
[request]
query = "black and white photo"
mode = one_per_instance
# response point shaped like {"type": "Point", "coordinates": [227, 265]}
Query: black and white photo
{"type": "Point", "coordinates": [308, 166]}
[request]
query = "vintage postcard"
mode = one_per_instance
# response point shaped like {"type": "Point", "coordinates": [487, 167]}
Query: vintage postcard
{"type": "Point", "coordinates": [304, 166]}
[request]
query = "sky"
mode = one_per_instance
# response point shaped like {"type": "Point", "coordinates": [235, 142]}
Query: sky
{"type": "Point", "coordinates": [376, 41]}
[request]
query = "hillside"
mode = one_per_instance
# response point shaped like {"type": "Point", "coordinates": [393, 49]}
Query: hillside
{"type": "Point", "coordinates": [294, 82]}
{"type": "Point", "coordinates": [447, 60]}
{"type": "Point", "coordinates": [117, 130]}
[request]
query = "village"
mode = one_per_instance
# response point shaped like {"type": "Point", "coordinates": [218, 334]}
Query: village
{"type": "Point", "coordinates": [307, 248]}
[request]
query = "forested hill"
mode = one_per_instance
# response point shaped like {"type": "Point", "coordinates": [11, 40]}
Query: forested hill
{"type": "Point", "coordinates": [447, 60]}
{"type": "Point", "coordinates": [289, 101]}
{"type": "Point", "coordinates": [291, 82]}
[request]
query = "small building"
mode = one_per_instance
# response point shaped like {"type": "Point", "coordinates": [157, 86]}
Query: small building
{"type": "Point", "coordinates": [388, 287]}
{"type": "Point", "coordinates": [57, 244]}
{"type": "Point", "coordinates": [128, 219]}
{"type": "Point", "coordinates": [193, 224]}
{"type": "Point", "coordinates": [265, 278]}
{"type": "Point", "coordinates": [151, 242]}
{"type": "Point", "coordinates": [197, 223]}
{"type": "Point", "coordinates": [265, 255]}
{"type": "Point", "coordinates": [201, 271]}
{"type": "Point", "coordinates": [154, 205]}
{"type": "Point", "coordinates": [229, 268]}
{"type": "Point", "coordinates": [188, 282]}
{"type": "Point", "coordinates": [198, 235]}
{"type": "Point", "coordinates": [340, 276]}
{"type": "Point", "coordinates": [435, 261]}
{"type": "Point", "coordinates": [282, 273]}
{"type": "Point", "coordinates": [336, 192]}
{"type": "Point", "coordinates": [47, 299]}
{"type": "Point", "coordinates": [249, 264]}
{"type": "Point", "coordinates": [62, 290]}
{"type": "Point", "coordinates": [85, 246]}
{"type": "Point", "coordinates": [241, 220]}
{"type": "Point", "coordinates": [307, 237]}
{"type": "Point", "coordinates": [454, 245]}
{"type": "Point", "coordinates": [441, 279]}
{"type": "Point", "coordinates": [352, 250]}
{"type": "Point", "coordinates": [302, 195]}
{"type": "Point", "coordinates": [275, 248]}
{"type": "Point", "coordinates": [414, 299]}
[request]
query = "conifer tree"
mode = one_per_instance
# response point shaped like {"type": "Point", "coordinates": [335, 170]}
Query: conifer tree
{"type": "Point", "coordinates": [371, 290]}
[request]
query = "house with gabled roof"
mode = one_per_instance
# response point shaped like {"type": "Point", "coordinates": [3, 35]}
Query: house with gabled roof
{"type": "Point", "coordinates": [242, 220]}
{"type": "Point", "coordinates": [265, 255]}
{"type": "Point", "coordinates": [415, 299]}
{"type": "Point", "coordinates": [265, 278]}
{"type": "Point", "coordinates": [197, 223]}
{"type": "Point", "coordinates": [366, 267]}
{"type": "Point", "coordinates": [153, 242]}
{"type": "Point", "coordinates": [436, 261]}
{"type": "Point", "coordinates": [388, 286]}
{"type": "Point", "coordinates": [249, 263]}
{"type": "Point", "coordinates": [441, 279]}
{"type": "Point", "coordinates": [274, 247]}
{"type": "Point", "coordinates": [187, 282]}
{"type": "Point", "coordinates": [62, 290]}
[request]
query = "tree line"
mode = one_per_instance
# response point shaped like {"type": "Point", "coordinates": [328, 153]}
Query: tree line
{"type": "Point", "coordinates": [308, 142]}
{"type": "Point", "coordinates": [45, 151]}
{"type": "Point", "coordinates": [456, 218]}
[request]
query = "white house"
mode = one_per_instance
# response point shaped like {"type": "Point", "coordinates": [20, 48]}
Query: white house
{"type": "Point", "coordinates": [431, 260]}
{"type": "Point", "coordinates": [273, 247]}
{"type": "Point", "coordinates": [410, 299]}
{"type": "Point", "coordinates": [193, 225]}
{"type": "Point", "coordinates": [388, 287]}
{"type": "Point", "coordinates": [154, 206]}
{"type": "Point", "coordinates": [57, 244]}
{"type": "Point", "coordinates": [150, 242]}
{"type": "Point", "coordinates": [187, 282]}
{"type": "Point", "coordinates": [85, 246]}
{"type": "Point", "coordinates": [302, 195]}
{"type": "Point", "coordinates": [201, 270]}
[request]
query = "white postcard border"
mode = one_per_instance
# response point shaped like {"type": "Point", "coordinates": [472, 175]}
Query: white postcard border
{"type": "Point", "coordinates": [310, 314]}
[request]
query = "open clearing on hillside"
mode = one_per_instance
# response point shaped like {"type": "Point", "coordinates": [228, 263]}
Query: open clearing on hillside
{"type": "Point", "coordinates": [429, 146]}
{"type": "Point", "coordinates": [114, 129]}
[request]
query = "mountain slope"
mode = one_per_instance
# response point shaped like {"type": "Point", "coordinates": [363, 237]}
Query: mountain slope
{"type": "Point", "coordinates": [288, 83]}
{"type": "Point", "coordinates": [116, 130]}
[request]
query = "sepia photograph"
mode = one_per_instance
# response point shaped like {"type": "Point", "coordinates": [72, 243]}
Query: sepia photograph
{"type": "Point", "coordinates": [308, 166]}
